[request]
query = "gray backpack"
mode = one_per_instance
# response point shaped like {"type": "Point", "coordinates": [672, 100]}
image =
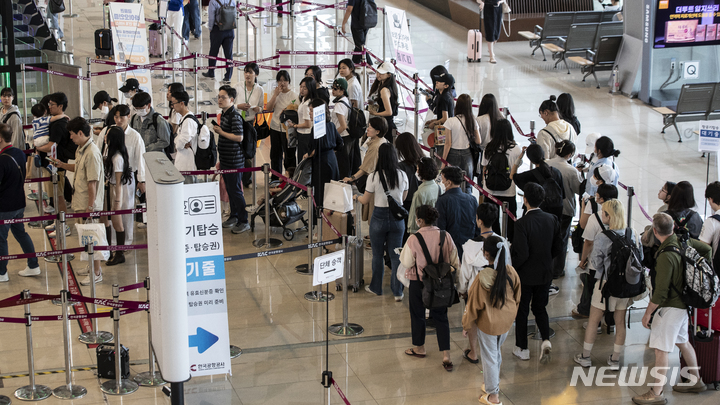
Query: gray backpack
{"type": "Point", "coordinates": [225, 16]}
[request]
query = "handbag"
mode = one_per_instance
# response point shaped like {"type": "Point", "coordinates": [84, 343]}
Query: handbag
{"type": "Point", "coordinates": [338, 196]}
{"type": "Point", "coordinates": [401, 276]}
{"type": "Point", "coordinates": [56, 6]}
{"type": "Point", "coordinates": [396, 209]}
{"type": "Point", "coordinates": [94, 234]}
{"type": "Point", "coordinates": [506, 7]}
{"type": "Point", "coordinates": [262, 130]}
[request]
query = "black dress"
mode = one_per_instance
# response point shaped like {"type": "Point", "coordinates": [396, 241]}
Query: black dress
{"type": "Point", "coordinates": [381, 108]}
{"type": "Point", "coordinates": [325, 163]}
{"type": "Point", "coordinates": [492, 14]}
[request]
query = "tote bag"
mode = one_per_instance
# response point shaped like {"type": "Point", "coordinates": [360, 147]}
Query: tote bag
{"type": "Point", "coordinates": [338, 196]}
{"type": "Point", "coordinates": [95, 234]}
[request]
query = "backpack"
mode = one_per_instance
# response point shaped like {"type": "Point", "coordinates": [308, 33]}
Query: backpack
{"type": "Point", "coordinates": [368, 14]}
{"type": "Point", "coordinates": [553, 192]}
{"type": "Point", "coordinates": [154, 123]}
{"type": "Point", "coordinates": [701, 286]}
{"type": "Point", "coordinates": [680, 230]}
{"type": "Point", "coordinates": [497, 174]}
{"type": "Point", "coordinates": [225, 17]}
{"type": "Point", "coordinates": [249, 142]}
{"type": "Point", "coordinates": [24, 135]}
{"type": "Point", "coordinates": [356, 123]}
{"type": "Point", "coordinates": [205, 159]}
{"type": "Point", "coordinates": [438, 283]}
{"type": "Point", "coordinates": [625, 278]}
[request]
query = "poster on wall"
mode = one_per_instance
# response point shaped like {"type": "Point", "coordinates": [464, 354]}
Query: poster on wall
{"type": "Point", "coordinates": [680, 23]}
{"type": "Point", "coordinates": [129, 33]}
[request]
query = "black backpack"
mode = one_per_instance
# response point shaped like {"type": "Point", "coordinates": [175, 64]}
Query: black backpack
{"type": "Point", "coordinates": [249, 142]}
{"type": "Point", "coordinates": [625, 278]}
{"type": "Point", "coordinates": [356, 124]}
{"type": "Point", "coordinates": [680, 230]}
{"type": "Point", "coordinates": [368, 14]}
{"type": "Point", "coordinates": [497, 172]}
{"type": "Point", "coordinates": [205, 159]}
{"type": "Point", "coordinates": [225, 17]}
{"type": "Point", "coordinates": [554, 194]}
{"type": "Point", "coordinates": [438, 281]}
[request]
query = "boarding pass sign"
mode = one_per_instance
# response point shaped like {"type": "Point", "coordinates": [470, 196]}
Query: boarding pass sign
{"type": "Point", "coordinates": [709, 140]}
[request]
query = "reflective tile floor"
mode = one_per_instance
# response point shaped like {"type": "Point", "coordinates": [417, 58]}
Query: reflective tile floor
{"type": "Point", "coordinates": [282, 334]}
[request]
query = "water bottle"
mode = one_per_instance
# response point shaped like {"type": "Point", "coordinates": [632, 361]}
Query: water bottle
{"type": "Point", "coordinates": [615, 81]}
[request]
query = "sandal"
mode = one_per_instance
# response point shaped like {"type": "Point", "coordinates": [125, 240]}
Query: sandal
{"type": "Point", "coordinates": [412, 353]}
{"type": "Point", "coordinates": [448, 366]}
{"type": "Point", "coordinates": [465, 355]}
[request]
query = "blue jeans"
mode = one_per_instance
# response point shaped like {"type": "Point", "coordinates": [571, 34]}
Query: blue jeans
{"type": "Point", "coordinates": [192, 20]}
{"type": "Point", "coordinates": [18, 231]}
{"type": "Point", "coordinates": [233, 186]}
{"type": "Point", "coordinates": [385, 235]}
{"type": "Point", "coordinates": [490, 353]}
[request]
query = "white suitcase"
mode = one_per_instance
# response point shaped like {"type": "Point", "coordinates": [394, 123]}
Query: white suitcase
{"type": "Point", "coordinates": [474, 46]}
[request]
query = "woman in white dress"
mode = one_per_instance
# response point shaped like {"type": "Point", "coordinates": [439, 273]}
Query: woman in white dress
{"type": "Point", "coordinates": [120, 186]}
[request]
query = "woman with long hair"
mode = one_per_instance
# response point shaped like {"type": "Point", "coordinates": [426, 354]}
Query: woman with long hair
{"type": "Point", "coordinates": [386, 232]}
{"type": "Point", "coordinates": [383, 98]}
{"type": "Point", "coordinates": [410, 153]}
{"type": "Point", "coordinates": [282, 97]}
{"type": "Point", "coordinates": [566, 108]}
{"type": "Point", "coordinates": [461, 130]}
{"type": "Point", "coordinates": [680, 207]}
{"type": "Point", "coordinates": [376, 127]}
{"type": "Point", "coordinates": [308, 93]}
{"type": "Point", "coordinates": [414, 261]}
{"type": "Point", "coordinates": [492, 304]}
{"type": "Point", "coordinates": [322, 92]}
{"type": "Point", "coordinates": [346, 70]}
{"type": "Point", "coordinates": [120, 187]}
{"type": "Point", "coordinates": [502, 143]}
{"type": "Point", "coordinates": [488, 115]}
{"type": "Point", "coordinates": [536, 155]}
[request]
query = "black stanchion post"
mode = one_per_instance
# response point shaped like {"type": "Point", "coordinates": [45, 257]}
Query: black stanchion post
{"type": "Point", "coordinates": [317, 294]}
{"type": "Point", "coordinates": [267, 242]}
{"type": "Point", "coordinates": [32, 391]}
{"type": "Point", "coordinates": [118, 386]}
{"type": "Point", "coordinates": [150, 378]}
{"type": "Point", "coordinates": [532, 127]}
{"type": "Point", "coordinates": [416, 93]}
{"type": "Point", "coordinates": [505, 218]}
{"type": "Point", "coordinates": [195, 89]}
{"type": "Point", "coordinates": [89, 87]}
{"type": "Point", "coordinates": [69, 390]}
{"type": "Point", "coordinates": [95, 336]}
{"type": "Point", "coordinates": [630, 194]}
{"type": "Point", "coordinates": [346, 328]}
{"type": "Point", "coordinates": [177, 394]}
{"type": "Point", "coordinates": [307, 268]}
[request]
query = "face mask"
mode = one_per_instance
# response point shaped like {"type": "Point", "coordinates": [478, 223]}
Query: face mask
{"type": "Point", "coordinates": [104, 111]}
{"type": "Point", "coordinates": [597, 182]}
{"type": "Point", "coordinates": [141, 113]}
{"type": "Point", "coordinates": [127, 95]}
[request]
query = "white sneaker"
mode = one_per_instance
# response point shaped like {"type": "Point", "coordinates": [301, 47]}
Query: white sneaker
{"type": "Point", "coordinates": [50, 227]}
{"type": "Point", "coordinates": [84, 271]}
{"type": "Point", "coordinates": [614, 364]}
{"type": "Point", "coordinates": [553, 290]}
{"type": "Point", "coordinates": [546, 349]}
{"type": "Point", "coordinates": [53, 234]}
{"type": "Point", "coordinates": [521, 354]}
{"type": "Point", "coordinates": [583, 361]}
{"type": "Point", "coordinates": [28, 272]}
{"type": "Point", "coordinates": [87, 280]}
{"type": "Point", "coordinates": [49, 209]}
{"type": "Point", "coordinates": [4, 278]}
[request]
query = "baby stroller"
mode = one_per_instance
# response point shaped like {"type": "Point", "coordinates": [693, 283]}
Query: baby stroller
{"type": "Point", "coordinates": [284, 211]}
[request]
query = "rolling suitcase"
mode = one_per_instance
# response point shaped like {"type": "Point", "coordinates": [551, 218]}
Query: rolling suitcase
{"type": "Point", "coordinates": [155, 38]}
{"type": "Point", "coordinates": [703, 317]}
{"type": "Point", "coordinates": [103, 41]}
{"type": "Point", "coordinates": [707, 351]}
{"type": "Point", "coordinates": [355, 260]}
{"type": "Point", "coordinates": [474, 44]}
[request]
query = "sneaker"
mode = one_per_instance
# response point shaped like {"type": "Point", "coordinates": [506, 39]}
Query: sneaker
{"type": "Point", "coordinates": [4, 278]}
{"type": "Point", "coordinates": [610, 329]}
{"type": "Point", "coordinates": [599, 328]}
{"type": "Point", "coordinates": [225, 81]}
{"type": "Point", "coordinates": [399, 298]}
{"type": "Point", "coordinates": [118, 258]}
{"type": "Point", "coordinates": [208, 75]}
{"type": "Point", "coordinates": [48, 209]}
{"type": "Point", "coordinates": [240, 228]}
{"type": "Point", "coordinates": [699, 386]}
{"type": "Point", "coordinates": [50, 227]}
{"type": "Point", "coordinates": [649, 398]}
{"type": "Point", "coordinates": [521, 354]}
{"type": "Point", "coordinates": [367, 288]}
{"type": "Point", "coordinates": [53, 234]}
{"type": "Point", "coordinates": [87, 280]}
{"type": "Point", "coordinates": [32, 196]}
{"type": "Point", "coordinates": [614, 364]}
{"type": "Point", "coordinates": [84, 271]}
{"type": "Point", "coordinates": [553, 289]}
{"type": "Point", "coordinates": [583, 361]}
{"type": "Point", "coordinates": [230, 222]}
{"type": "Point", "coordinates": [28, 272]}
{"type": "Point", "coordinates": [142, 225]}
{"type": "Point", "coordinates": [577, 315]}
{"type": "Point", "coordinates": [546, 349]}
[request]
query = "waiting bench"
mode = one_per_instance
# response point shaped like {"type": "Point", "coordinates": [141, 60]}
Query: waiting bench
{"type": "Point", "coordinates": [601, 58]}
{"type": "Point", "coordinates": [697, 101]}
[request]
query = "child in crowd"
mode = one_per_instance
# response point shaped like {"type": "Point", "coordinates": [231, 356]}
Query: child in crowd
{"type": "Point", "coordinates": [41, 124]}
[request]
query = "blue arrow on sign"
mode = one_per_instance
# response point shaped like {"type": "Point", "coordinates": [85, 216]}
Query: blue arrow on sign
{"type": "Point", "coordinates": [203, 340]}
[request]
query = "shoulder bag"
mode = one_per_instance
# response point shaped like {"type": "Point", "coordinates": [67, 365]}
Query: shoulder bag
{"type": "Point", "coordinates": [396, 209]}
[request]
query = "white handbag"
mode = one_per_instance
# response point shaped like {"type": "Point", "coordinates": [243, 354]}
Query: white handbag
{"type": "Point", "coordinates": [95, 234]}
{"type": "Point", "coordinates": [505, 7]}
{"type": "Point", "coordinates": [338, 197]}
{"type": "Point", "coordinates": [402, 277]}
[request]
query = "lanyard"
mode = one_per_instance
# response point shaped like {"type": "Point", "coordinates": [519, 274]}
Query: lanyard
{"type": "Point", "coordinates": [243, 113]}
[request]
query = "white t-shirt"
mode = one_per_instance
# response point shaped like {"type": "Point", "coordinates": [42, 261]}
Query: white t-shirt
{"type": "Point", "coordinates": [374, 185]}
{"type": "Point", "coordinates": [340, 109]}
{"type": "Point", "coordinates": [513, 154]}
{"type": "Point", "coordinates": [175, 117]}
{"type": "Point", "coordinates": [710, 233]}
{"type": "Point", "coordinates": [592, 230]}
{"type": "Point", "coordinates": [118, 162]}
{"type": "Point", "coordinates": [185, 158]}
{"type": "Point", "coordinates": [281, 102]}
{"type": "Point", "coordinates": [254, 97]}
{"type": "Point", "coordinates": [484, 127]}
{"type": "Point", "coordinates": [304, 114]}
{"type": "Point", "coordinates": [354, 91]}
{"type": "Point", "coordinates": [459, 137]}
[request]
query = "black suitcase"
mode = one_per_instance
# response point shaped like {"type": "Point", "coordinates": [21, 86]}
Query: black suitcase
{"type": "Point", "coordinates": [103, 41]}
{"type": "Point", "coordinates": [106, 361]}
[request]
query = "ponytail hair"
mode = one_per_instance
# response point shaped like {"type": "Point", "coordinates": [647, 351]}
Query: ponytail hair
{"type": "Point", "coordinates": [565, 147]}
{"type": "Point", "coordinates": [536, 155]}
{"type": "Point", "coordinates": [495, 247]}
{"type": "Point", "coordinates": [606, 147]}
{"type": "Point", "coordinates": [549, 105]}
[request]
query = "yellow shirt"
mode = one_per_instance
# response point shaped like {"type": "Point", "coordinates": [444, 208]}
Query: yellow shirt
{"type": "Point", "coordinates": [88, 167]}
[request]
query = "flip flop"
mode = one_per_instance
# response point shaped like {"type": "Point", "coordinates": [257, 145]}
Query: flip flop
{"type": "Point", "coordinates": [412, 353]}
{"type": "Point", "coordinates": [465, 355]}
{"type": "Point", "coordinates": [448, 366]}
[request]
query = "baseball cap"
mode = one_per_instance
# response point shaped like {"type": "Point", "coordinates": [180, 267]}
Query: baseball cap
{"type": "Point", "coordinates": [386, 67]}
{"type": "Point", "coordinates": [446, 78]}
{"type": "Point", "coordinates": [101, 97]}
{"type": "Point", "coordinates": [130, 84]}
{"type": "Point", "coordinates": [341, 83]}
{"type": "Point", "coordinates": [590, 142]}
{"type": "Point", "coordinates": [607, 173]}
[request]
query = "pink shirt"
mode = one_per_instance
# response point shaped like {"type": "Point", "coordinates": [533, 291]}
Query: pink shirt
{"type": "Point", "coordinates": [413, 258]}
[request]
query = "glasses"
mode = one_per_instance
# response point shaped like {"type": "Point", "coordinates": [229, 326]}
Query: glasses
{"type": "Point", "coordinates": [662, 190]}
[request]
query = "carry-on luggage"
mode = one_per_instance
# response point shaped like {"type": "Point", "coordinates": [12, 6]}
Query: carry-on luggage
{"type": "Point", "coordinates": [355, 260]}
{"type": "Point", "coordinates": [474, 43]}
{"type": "Point", "coordinates": [103, 41]}
{"type": "Point", "coordinates": [342, 221]}
{"type": "Point", "coordinates": [703, 317]}
{"type": "Point", "coordinates": [155, 50]}
{"type": "Point", "coordinates": [707, 350]}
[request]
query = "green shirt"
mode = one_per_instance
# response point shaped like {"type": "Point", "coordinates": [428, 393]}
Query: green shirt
{"type": "Point", "coordinates": [426, 194]}
{"type": "Point", "coordinates": [669, 269]}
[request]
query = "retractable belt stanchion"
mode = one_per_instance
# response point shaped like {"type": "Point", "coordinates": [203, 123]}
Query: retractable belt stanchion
{"type": "Point", "coordinates": [69, 390]}
{"type": "Point", "coordinates": [630, 194]}
{"type": "Point", "coordinates": [273, 20]}
{"type": "Point", "coordinates": [292, 37]}
{"type": "Point", "coordinates": [254, 177]}
{"type": "Point", "coordinates": [32, 391]}
{"type": "Point", "coordinates": [247, 38]}
{"type": "Point", "coordinates": [307, 268]}
{"type": "Point", "coordinates": [416, 92]}
{"type": "Point", "coordinates": [150, 378]}
{"type": "Point", "coordinates": [532, 127]}
{"type": "Point", "coordinates": [314, 40]}
{"type": "Point", "coordinates": [317, 295]}
{"type": "Point", "coordinates": [95, 336]}
{"type": "Point", "coordinates": [260, 15]}
{"type": "Point", "coordinates": [55, 259]}
{"type": "Point", "coordinates": [289, 34]}
{"type": "Point", "coordinates": [70, 13]}
{"type": "Point", "coordinates": [89, 87]}
{"type": "Point", "coordinates": [195, 89]}
{"type": "Point", "coordinates": [346, 328]}
{"type": "Point", "coordinates": [267, 242]}
{"type": "Point", "coordinates": [505, 218]}
{"type": "Point", "coordinates": [255, 42]}
{"type": "Point", "coordinates": [172, 54]}
{"type": "Point", "coordinates": [384, 17]}
{"type": "Point", "coordinates": [24, 90]}
{"type": "Point", "coordinates": [118, 386]}
{"type": "Point", "coordinates": [238, 53]}
{"type": "Point", "coordinates": [183, 63]}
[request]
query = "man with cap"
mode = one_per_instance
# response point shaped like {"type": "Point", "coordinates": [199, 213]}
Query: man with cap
{"type": "Point", "coordinates": [104, 103]}
{"type": "Point", "coordinates": [153, 128]}
{"type": "Point", "coordinates": [359, 33]}
{"type": "Point", "coordinates": [443, 100]}
{"type": "Point", "coordinates": [129, 89]}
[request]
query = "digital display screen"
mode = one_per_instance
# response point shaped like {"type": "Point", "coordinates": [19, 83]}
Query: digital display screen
{"type": "Point", "coordinates": [686, 23]}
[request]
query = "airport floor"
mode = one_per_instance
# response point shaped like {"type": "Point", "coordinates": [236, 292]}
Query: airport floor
{"type": "Point", "coordinates": [282, 335]}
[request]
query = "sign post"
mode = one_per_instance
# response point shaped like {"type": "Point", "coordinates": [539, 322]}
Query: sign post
{"type": "Point", "coordinates": [709, 141]}
{"type": "Point", "coordinates": [319, 128]}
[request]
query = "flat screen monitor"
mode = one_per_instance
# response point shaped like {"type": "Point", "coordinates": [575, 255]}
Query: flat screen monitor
{"type": "Point", "coordinates": [681, 23]}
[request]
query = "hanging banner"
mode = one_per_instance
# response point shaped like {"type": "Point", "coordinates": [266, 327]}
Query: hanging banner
{"type": "Point", "coordinates": [129, 35]}
{"type": "Point", "coordinates": [399, 32]}
{"type": "Point", "coordinates": [208, 332]}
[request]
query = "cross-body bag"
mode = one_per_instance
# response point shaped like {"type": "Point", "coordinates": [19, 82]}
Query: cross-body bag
{"type": "Point", "coordinates": [396, 209]}
{"type": "Point", "coordinates": [22, 180]}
